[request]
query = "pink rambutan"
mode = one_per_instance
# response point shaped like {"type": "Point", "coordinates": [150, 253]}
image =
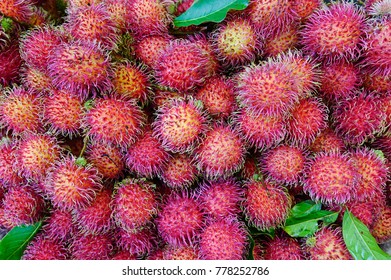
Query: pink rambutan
{"type": "Point", "coordinates": [284, 164]}
{"type": "Point", "coordinates": [59, 225]}
{"type": "Point", "coordinates": [8, 174]}
{"type": "Point", "coordinates": [146, 157]}
{"type": "Point", "coordinates": [10, 62]}
{"type": "Point", "coordinates": [282, 40]}
{"type": "Point", "coordinates": [265, 205]}
{"type": "Point", "coordinates": [179, 125]}
{"type": "Point", "coordinates": [334, 31]}
{"type": "Point", "coordinates": [181, 253]}
{"type": "Point", "coordinates": [382, 228]}
{"type": "Point", "coordinates": [72, 4]}
{"type": "Point", "coordinates": [165, 97]}
{"type": "Point", "coordinates": [136, 241]}
{"type": "Point", "coordinates": [179, 172]}
{"type": "Point", "coordinates": [331, 178]}
{"type": "Point", "coordinates": [45, 248]}
{"type": "Point", "coordinates": [20, 10]}
{"type": "Point", "coordinates": [36, 80]}
{"type": "Point", "coordinates": [91, 247]}
{"type": "Point", "coordinates": [221, 152]}
{"type": "Point", "coordinates": [305, 8]}
{"type": "Point", "coordinates": [71, 186]}
{"type": "Point", "coordinates": [149, 48]}
{"type": "Point", "coordinates": [359, 119]}
{"type": "Point", "coordinates": [283, 248]}
{"type": "Point", "coordinates": [327, 141]}
{"type": "Point", "coordinates": [367, 212]}
{"type": "Point", "coordinates": [223, 240]}
{"type": "Point", "coordinates": [372, 82]}
{"type": "Point", "coordinates": [179, 219]}
{"type": "Point", "coordinates": [206, 47]}
{"type": "Point", "coordinates": [306, 120]}
{"type": "Point", "coordinates": [182, 66]}
{"type": "Point", "coordinates": [114, 120]}
{"type": "Point", "coordinates": [134, 203]}
{"type": "Point", "coordinates": [250, 168]}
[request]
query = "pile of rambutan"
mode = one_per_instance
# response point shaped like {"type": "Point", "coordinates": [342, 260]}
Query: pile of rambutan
{"type": "Point", "coordinates": [131, 138]}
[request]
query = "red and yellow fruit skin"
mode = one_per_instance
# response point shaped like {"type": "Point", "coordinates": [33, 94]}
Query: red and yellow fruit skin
{"type": "Point", "coordinates": [35, 79]}
{"type": "Point", "coordinates": [10, 63]}
{"type": "Point", "coordinates": [180, 219]}
{"type": "Point", "coordinates": [59, 225]}
{"type": "Point", "coordinates": [179, 172]}
{"type": "Point", "coordinates": [367, 211]}
{"type": "Point", "coordinates": [372, 82]}
{"type": "Point", "coordinates": [138, 241]}
{"type": "Point", "coordinates": [149, 48]}
{"type": "Point", "coordinates": [223, 240]}
{"type": "Point", "coordinates": [281, 41]}
{"type": "Point", "coordinates": [9, 176]}
{"type": "Point", "coordinates": [327, 141]}
{"type": "Point", "coordinates": [20, 10]}
{"type": "Point", "coordinates": [265, 205]}
{"type": "Point", "coordinates": [45, 248]}
{"type": "Point", "coordinates": [305, 8]}
{"type": "Point", "coordinates": [134, 204]}
{"type": "Point", "coordinates": [382, 228]}
{"type": "Point", "coordinates": [181, 253]}
{"type": "Point", "coordinates": [283, 248]}
{"type": "Point", "coordinates": [206, 47]}
{"type": "Point", "coordinates": [91, 247]}
{"type": "Point", "coordinates": [331, 178]}
{"type": "Point", "coordinates": [70, 186]}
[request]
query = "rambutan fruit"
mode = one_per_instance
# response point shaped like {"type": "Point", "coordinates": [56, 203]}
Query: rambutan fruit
{"type": "Point", "coordinates": [178, 6]}
{"type": "Point", "coordinates": [114, 120]}
{"type": "Point", "coordinates": [250, 168]}
{"type": "Point", "coordinates": [283, 248]}
{"type": "Point", "coordinates": [123, 255]}
{"type": "Point", "coordinates": [331, 178]}
{"type": "Point", "coordinates": [182, 66]}
{"type": "Point", "coordinates": [45, 248]}
{"type": "Point", "coordinates": [180, 219]}
{"type": "Point", "coordinates": [179, 172]}
{"type": "Point", "coordinates": [36, 80]}
{"type": "Point", "coordinates": [59, 225]}
{"type": "Point", "coordinates": [327, 244]}
{"type": "Point", "coordinates": [181, 253]}
{"type": "Point", "coordinates": [107, 158]}
{"type": "Point", "coordinates": [37, 44]}
{"type": "Point", "coordinates": [206, 47]}
{"type": "Point", "coordinates": [223, 240]}
{"type": "Point", "coordinates": [36, 153]}
{"type": "Point", "coordinates": [132, 82]}
{"type": "Point", "coordinates": [71, 186]}
{"type": "Point", "coordinates": [20, 10]}
{"type": "Point", "coordinates": [137, 241]}
{"type": "Point", "coordinates": [20, 111]}
{"type": "Point", "coordinates": [95, 218]}
{"type": "Point", "coordinates": [8, 174]}
{"type": "Point", "coordinates": [81, 68]}
{"type": "Point", "coordinates": [281, 41]}
{"type": "Point", "coordinates": [327, 142]}
{"type": "Point", "coordinates": [221, 152]}
{"type": "Point", "coordinates": [260, 131]}
{"type": "Point", "coordinates": [265, 205]}
{"type": "Point", "coordinates": [91, 247]}
{"type": "Point", "coordinates": [236, 42]}
{"type": "Point", "coordinates": [339, 80]}
{"type": "Point", "coordinates": [359, 119]}
{"type": "Point", "coordinates": [218, 97]}
{"type": "Point", "coordinates": [305, 8]}
{"type": "Point", "coordinates": [179, 125]}
{"type": "Point", "coordinates": [165, 97]}
{"type": "Point", "coordinates": [372, 171]}
{"type": "Point", "coordinates": [334, 32]}
{"type": "Point", "coordinates": [149, 48]}
{"type": "Point", "coordinates": [146, 157]}
{"type": "Point", "coordinates": [379, 83]}
{"type": "Point", "coordinates": [148, 17]}
{"type": "Point", "coordinates": [92, 23]}
{"type": "Point", "coordinates": [81, 3]}
{"type": "Point", "coordinates": [22, 205]}
{"type": "Point", "coordinates": [380, 8]}
{"type": "Point", "coordinates": [268, 88]}
{"type": "Point", "coordinates": [220, 199]}
{"type": "Point", "coordinates": [10, 62]}
{"type": "Point", "coordinates": [284, 164]}
{"type": "Point", "coordinates": [134, 203]}
{"type": "Point", "coordinates": [382, 228]}
{"type": "Point", "coordinates": [386, 104]}
{"type": "Point", "coordinates": [306, 120]}
{"type": "Point", "coordinates": [367, 212]}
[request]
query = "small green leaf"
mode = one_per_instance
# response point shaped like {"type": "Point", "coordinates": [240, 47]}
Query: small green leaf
{"type": "Point", "coordinates": [208, 10]}
{"type": "Point", "coordinates": [359, 241]}
{"type": "Point", "coordinates": [308, 225]}
{"type": "Point", "coordinates": [15, 242]}
{"type": "Point", "coordinates": [305, 208]}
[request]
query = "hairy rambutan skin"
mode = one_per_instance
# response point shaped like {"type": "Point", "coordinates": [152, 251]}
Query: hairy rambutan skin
{"type": "Point", "coordinates": [107, 158]}
{"type": "Point", "coordinates": [91, 247]}
{"type": "Point", "coordinates": [306, 120]}
{"type": "Point", "coordinates": [20, 10]}
{"type": "Point", "coordinates": [180, 219]}
{"type": "Point", "coordinates": [283, 248]}
{"type": "Point", "coordinates": [83, 68]}
{"type": "Point", "coordinates": [267, 88]}
{"type": "Point", "coordinates": [284, 164]}
{"type": "Point", "coordinates": [327, 244]}
{"type": "Point", "coordinates": [179, 125]}
{"type": "Point", "coordinates": [223, 240]}
{"type": "Point", "coordinates": [35, 79]}
{"type": "Point", "coordinates": [260, 131]}
{"type": "Point", "coordinates": [334, 32]}
{"type": "Point", "coordinates": [372, 82]}
{"type": "Point", "coordinates": [380, 8]}
{"type": "Point", "coordinates": [250, 168]}
{"type": "Point", "coordinates": [281, 41]}
{"type": "Point", "coordinates": [37, 44]}
{"type": "Point", "coordinates": [137, 241]}
{"type": "Point", "coordinates": [59, 225]}
{"type": "Point", "coordinates": [146, 157]}
{"type": "Point", "coordinates": [114, 120]}
{"type": "Point", "coordinates": [20, 111]}
{"type": "Point", "coordinates": [36, 154]}
{"type": "Point", "coordinates": [265, 204]}
{"type": "Point", "coordinates": [149, 48]}
{"type": "Point", "coordinates": [359, 119]}
{"type": "Point", "coordinates": [386, 106]}
{"type": "Point", "coordinates": [21, 205]}
{"type": "Point", "coordinates": [182, 66]}
{"type": "Point", "coordinates": [221, 152]}
{"type": "Point", "coordinates": [45, 248]}
{"type": "Point", "coordinates": [367, 212]}
{"type": "Point", "coordinates": [206, 47]}
{"type": "Point", "coordinates": [181, 253]}
{"type": "Point", "coordinates": [327, 142]}
{"type": "Point", "coordinates": [134, 203]}
{"type": "Point", "coordinates": [8, 175]}
{"type": "Point", "coordinates": [179, 172]}
{"type": "Point", "coordinates": [92, 23]}
{"type": "Point", "coordinates": [331, 178]}
{"type": "Point", "coordinates": [72, 4]}
{"type": "Point", "coordinates": [382, 228]}
{"type": "Point", "coordinates": [10, 63]}
{"type": "Point", "coordinates": [220, 199]}
{"type": "Point", "coordinates": [70, 186]}
{"type": "Point", "coordinates": [304, 8]}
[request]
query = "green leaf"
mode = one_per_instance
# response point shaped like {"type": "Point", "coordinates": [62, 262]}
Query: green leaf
{"type": "Point", "coordinates": [208, 10]}
{"type": "Point", "coordinates": [305, 208]}
{"type": "Point", "coordinates": [359, 241]}
{"type": "Point", "coordinates": [15, 242]}
{"type": "Point", "coordinates": [308, 225]}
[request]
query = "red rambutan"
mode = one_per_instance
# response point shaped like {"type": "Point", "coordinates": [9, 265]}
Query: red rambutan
{"type": "Point", "coordinates": [91, 247]}
{"type": "Point", "coordinates": [136, 241]}
{"type": "Point", "coordinates": [206, 47]}
{"type": "Point", "coordinates": [149, 48]}
{"type": "Point", "coordinates": [304, 8]}
{"type": "Point", "coordinates": [367, 211]}
{"type": "Point", "coordinates": [45, 248]}
{"type": "Point", "coordinates": [8, 174]}
{"type": "Point", "coordinates": [10, 62]}
{"type": "Point", "coordinates": [281, 41]}
{"type": "Point", "coordinates": [181, 253]}
{"type": "Point", "coordinates": [382, 228]}
{"type": "Point", "coordinates": [59, 225]}
{"type": "Point", "coordinates": [179, 172]}
{"type": "Point", "coordinates": [20, 10]}
{"type": "Point", "coordinates": [36, 80]}
{"type": "Point", "coordinates": [327, 141]}
{"type": "Point", "coordinates": [379, 83]}
{"type": "Point", "coordinates": [283, 248]}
